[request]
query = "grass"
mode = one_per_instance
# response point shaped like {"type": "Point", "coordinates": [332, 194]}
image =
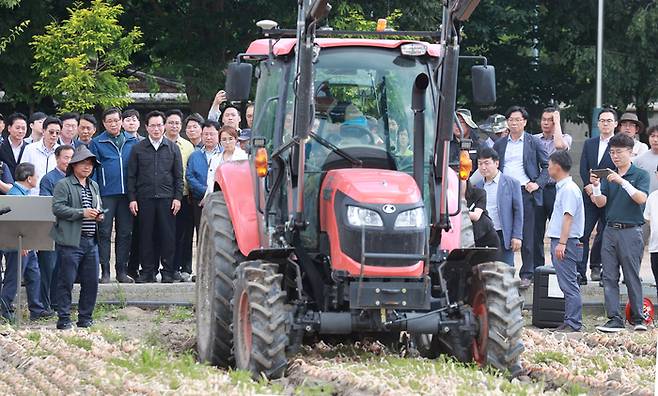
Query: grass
{"type": "Point", "coordinates": [110, 335]}
{"type": "Point", "coordinates": [548, 357]}
{"type": "Point", "coordinates": [152, 361]}
{"type": "Point", "coordinates": [242, 378]}
{"type": "Point", "coordinates": [102, 311]}
{"type": "Point", "coordinates": [174, 314]}
{"type": "Point", "coordinates": [79, 342]}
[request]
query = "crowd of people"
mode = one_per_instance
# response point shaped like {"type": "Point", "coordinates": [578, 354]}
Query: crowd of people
{"type": "Point", "coordinates": [112, 183]}
{"type": "Point", "coordinates": [523, 181]}
{"type": "Point", "coordinates": [118, 182]}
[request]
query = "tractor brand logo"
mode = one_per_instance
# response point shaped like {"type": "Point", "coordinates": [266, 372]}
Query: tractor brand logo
{"type": "Point", "coordinates": [388, 208]}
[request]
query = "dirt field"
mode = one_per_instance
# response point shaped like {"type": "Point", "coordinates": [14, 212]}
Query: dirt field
{"type": "Point", "coordinates": [151, 352]}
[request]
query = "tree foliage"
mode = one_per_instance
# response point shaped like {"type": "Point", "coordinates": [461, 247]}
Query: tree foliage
{"type": "Point", "coordinates": [80, 60]}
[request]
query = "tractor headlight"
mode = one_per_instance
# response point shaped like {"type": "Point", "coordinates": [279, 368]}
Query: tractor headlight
{"type": "Point", "coordinates": [414, 218]}
{"type": "Point", "coordinates": [358, 217]}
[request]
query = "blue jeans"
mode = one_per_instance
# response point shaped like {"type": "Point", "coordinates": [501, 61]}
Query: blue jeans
{"type": "Point", "coordinates": [506, 255]}
{"type": "Point", "coordinates": [47, 264]}
{"type": "Point", "coordinates": [30, 267]}
{"type": "Point", "coordinates": [80, 262]}
{"type": "Point", "coordinates": [567, 279]}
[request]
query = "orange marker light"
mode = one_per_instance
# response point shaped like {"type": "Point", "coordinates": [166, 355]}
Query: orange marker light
{"type": "Point", "coordinates": [260, 161]}
{"type": "Point", "coordinates": [381, 24]}
{"type": "Point", "coordinates": [465, 165]}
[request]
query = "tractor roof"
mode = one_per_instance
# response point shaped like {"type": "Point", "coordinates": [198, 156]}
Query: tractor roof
{"type": "Point", "coordinates": [284, 46]}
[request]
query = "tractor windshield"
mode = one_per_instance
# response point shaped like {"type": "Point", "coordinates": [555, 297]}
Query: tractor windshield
{"type": "Point", "coordinates": [363, 98]}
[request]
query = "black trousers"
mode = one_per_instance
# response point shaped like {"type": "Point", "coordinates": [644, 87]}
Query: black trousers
{"type": "Point", "coordinates": [133, 262]}
{"type": "Point", "coordinates": [184, 234]}
{"type": "Point", "coordinates": [196, 214]}
{"type": "Point", "coordinates": [157, 231]}
{"type": "Point", "coordinates": [542, 215]}
{"type": "Point", "coordinates": [654, 266]}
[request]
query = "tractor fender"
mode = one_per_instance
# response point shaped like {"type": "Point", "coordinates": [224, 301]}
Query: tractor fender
{"type": "Point", "coordinates": [235, 180]}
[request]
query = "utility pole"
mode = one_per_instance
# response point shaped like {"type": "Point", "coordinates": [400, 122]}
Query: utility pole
{"type": "Point", "coordinates": [599, 71]}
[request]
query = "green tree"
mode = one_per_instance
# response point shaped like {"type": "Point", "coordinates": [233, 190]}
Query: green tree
{"type": "Point", "coordinates": [80, 60]}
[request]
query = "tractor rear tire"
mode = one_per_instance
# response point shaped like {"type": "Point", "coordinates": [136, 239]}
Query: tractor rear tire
{"type": "Point", "coordinates": [260, 317]}
{"type": "Point", "coordinates": [497, 307]}
{"type": "Point", "coordinates": [218, 257]}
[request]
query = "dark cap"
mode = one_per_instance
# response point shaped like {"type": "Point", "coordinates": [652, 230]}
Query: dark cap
{"type": "Point", "coordinates": [245, 134]}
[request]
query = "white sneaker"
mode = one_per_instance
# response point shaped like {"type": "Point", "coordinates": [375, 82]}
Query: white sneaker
{"type": "Point", "coordinates": [640, 327]}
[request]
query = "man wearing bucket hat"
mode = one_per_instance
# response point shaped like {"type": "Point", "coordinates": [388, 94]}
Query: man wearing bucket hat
{"type": "Point", "coordinates": [77, 209]}
{"type": "Point", "coordinates": [630, 125]}
{"type": "Point", "coordinates": [467, 129]}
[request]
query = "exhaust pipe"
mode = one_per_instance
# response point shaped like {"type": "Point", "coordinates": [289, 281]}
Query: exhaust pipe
{"type": "Point", "coordinates": [418, 106]}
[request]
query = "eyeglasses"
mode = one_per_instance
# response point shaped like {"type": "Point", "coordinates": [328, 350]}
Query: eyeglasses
{"type": "Point", "coordinates": [54, 133]}
{"type": "Point", "coordinates": [606, 121]}
{"type": "Point", "coordinates": [515, 119]}
{"type": "Point", "coordinates": [619, 151]}
{"type": "Point", "coordinates": [227, 140]}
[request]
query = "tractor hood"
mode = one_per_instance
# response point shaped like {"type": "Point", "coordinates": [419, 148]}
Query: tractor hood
{"type": "Point", "coordinates": [372, 186]}
{"type": "Point", "coordinates": [384, 195]}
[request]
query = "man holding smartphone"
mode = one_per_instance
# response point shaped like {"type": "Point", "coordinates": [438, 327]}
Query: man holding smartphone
{"type": "Point", "coordinates": [623, 194]}
{"type": "Point", "coordinates": [77, 209]}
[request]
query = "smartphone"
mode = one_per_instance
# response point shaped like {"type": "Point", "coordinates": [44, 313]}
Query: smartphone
{"type": "Point", "coordinates": [601, 173]}
{"type": "Point", "coordinates": [102, 211]}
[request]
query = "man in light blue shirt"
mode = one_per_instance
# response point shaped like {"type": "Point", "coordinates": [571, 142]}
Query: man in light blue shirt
{"type": "Point", "coordinates": [565, 230]}
{"type": "Point", "coordinates": [524, 159]}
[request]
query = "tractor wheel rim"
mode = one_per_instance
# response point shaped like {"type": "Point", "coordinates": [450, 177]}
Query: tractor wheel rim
{"type": "Point", "coordinates": [481, 315]}
{"type": "Point", "coordinates": [245, 335]}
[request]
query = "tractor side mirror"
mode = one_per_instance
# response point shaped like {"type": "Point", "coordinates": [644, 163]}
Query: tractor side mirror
{"type": "Point", "coordinates": [238, 81]}
{"type": "Point", "coordinates": [484, 84]}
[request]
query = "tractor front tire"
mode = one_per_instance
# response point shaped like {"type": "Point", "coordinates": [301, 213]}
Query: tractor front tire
{"type": "Point", "coordinates": [218, 257]}
{"type": "Point", "coordinates": [260, 317]}
{"type": "Point", "coordinates": [497, 307]}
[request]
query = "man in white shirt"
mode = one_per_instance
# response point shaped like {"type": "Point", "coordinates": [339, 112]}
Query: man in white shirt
{"type": "Point", "coordinates": [42, 153]}
{"type": "Point", "coordinates": [12, 149]}
{"type": "Point", "coordinates": [553, 139]}
{"type": "Point", "coordinates": [36, 127]}
{"type": "Point", "coordinates": [523, 158]}
{"type": "Point", "coordinates": [595, 156]}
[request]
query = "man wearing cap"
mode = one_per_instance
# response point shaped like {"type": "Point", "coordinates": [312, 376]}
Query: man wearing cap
{"type": "Point", "coordinates": [523, 157]}
{"type": "Point", "coordinates": [78, 211]}
{"type": "Point", "coordinates": [630, 125]}
{"type": "Point", "coordinates": [552, 138]}
{"type": "Point", "coordinates": [36, 127]}
{"type": "Point", "coordinates": [467, 129]}
{"type": "Point", "coordinates": [244, 139]}
{"type": "Point", "coordinates": [12, 149]}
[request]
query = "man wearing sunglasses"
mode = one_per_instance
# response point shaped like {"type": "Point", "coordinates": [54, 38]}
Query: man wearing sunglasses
{"type": "Point", "coordinates": [42, 153]}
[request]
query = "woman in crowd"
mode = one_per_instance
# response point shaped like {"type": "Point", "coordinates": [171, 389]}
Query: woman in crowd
{"type": "Point", "coordinates": [228, 139]}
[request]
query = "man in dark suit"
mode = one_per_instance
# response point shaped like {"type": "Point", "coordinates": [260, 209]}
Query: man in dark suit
{"type": "Point", "coordinates": [11, 150]}
{"type": "Point", "coordinates": [595, 156]}
{"type": "Point", "coordinates": [523, 158]}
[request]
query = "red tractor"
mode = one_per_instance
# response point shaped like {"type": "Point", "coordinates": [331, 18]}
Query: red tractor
{"type": "Point", "coordinates": [330, 227]}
